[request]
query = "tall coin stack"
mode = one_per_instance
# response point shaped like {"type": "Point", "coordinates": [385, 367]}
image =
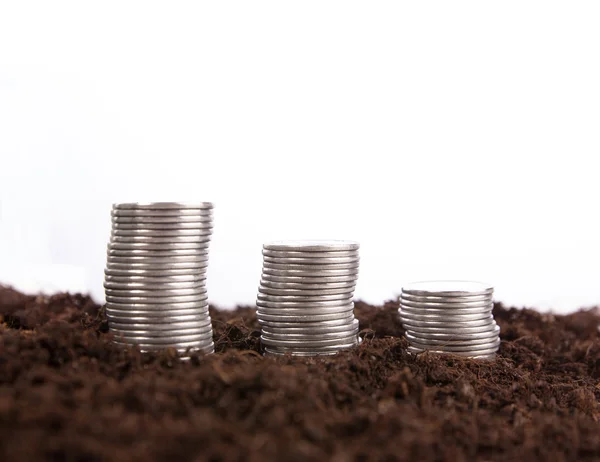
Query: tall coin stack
{"type": "Point", "coordinates": [452, 317]}
{"type": "Point", "coordinates": [305, 299]}
{"type": "Point", "coordinates": [155, 276]}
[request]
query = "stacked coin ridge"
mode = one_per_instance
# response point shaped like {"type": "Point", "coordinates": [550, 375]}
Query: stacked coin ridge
{"type": "Point", "coordinates": [305, 299]}
{"type": "Point", "coordinates": [155, 276]}
{"type": "Point", "coordinates": [452, 317]}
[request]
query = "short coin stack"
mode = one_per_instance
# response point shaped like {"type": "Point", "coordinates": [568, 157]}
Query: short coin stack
{"type": "Point", "coordinates": [155, 276]}
{"type": "Point", "coordinates": [305, 299]}
{"type": "Point", "coordinates": [452, 317]}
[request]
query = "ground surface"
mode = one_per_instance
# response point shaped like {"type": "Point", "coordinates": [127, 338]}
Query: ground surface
{"type": "Point", "coordinates": [67, 394]}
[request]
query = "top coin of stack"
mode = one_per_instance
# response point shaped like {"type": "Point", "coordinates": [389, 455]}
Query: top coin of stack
{"type": "Point", "coordinates": [155, 275]}
{"type": "Point", "coordinates": [452, 317]}
{"type": "Point", "coordinates": [305, 305]}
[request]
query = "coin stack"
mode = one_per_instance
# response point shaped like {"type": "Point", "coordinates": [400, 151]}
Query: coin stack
{"type": "Point", "coordinates": [155, 276]}
{"type": "Point", "coordinates": [305, 305]}
{"type": "Point", "coordinates": [452, 317]}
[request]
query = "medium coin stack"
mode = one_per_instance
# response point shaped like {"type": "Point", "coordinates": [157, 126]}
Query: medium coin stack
{"type": "Point", "coordinates": [305, 305]}
{"type": "Point", "coordinates": [155, 276]}
{"type": "Point", "coordinates": [452, 317]}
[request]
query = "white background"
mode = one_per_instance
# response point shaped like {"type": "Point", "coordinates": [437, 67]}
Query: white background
{"type": "Point", "coordinates": [452, 139]}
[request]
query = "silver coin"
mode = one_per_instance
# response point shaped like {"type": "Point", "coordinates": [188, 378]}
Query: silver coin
{"type": "Point", "coordinates": [309, 338]}
{"type": "Point", "coordinates": [307, 344]}
{"type": "Point", "coordinates": [163, 226]}
{"type": "Point", "coordinates": [442, 318]}
{"type": "Point", "coordinates": [150, 246]}
{"type": "Point", "coordinates": [450, 306]}
{"type": "Point", "coordinates": [198, 290]}
{"type": "Point", "coordinates": [159, 263]}
{"type": "Point", "coordinates": [161, 313]}
{"type": "Point", "coordinates": [197, 306]}
{"type": "Point", "coordinates": [161, 233]}
{"type": "Point", "coordinates": [163, 206]}
{"type": "Point", "coordinates": [166, 343]}
{"type": "Point", "coordinates": [198, 269]}
{"type": "Point", "coordinates": [142, 256]}
{"type": "Point", "coordinates": [483, 354]}
{"type": "Point", "coordinates": [490, 327]}
{"type": "Point", "coordinates": [161, 213]}
{"type": "Point", "coordinates": [167, 281]}
{"type": "Point", "coordinates": [311, 268]}
{"type": "Point", "coordinates": [303, 318]}
{"type": "Point", "coordinates": [445, 312]}
{"type": "Point", "coordinates": [152, 340]}
{"type": "Point", "coordinates": [447, 325]}
{"type": "Point", "coordinates": [486, 349]}
{"type": "Point", "coordinates": [199, 257]}
{"type": "Point", "coordinates": [155, 306]}
{"type": "Point", "coordinates": [190, 330]}
{"type": "Point", "coordinates": [196, 218]}
{"type": "Point", "coordinates": [121, 309]}
{"type": "Point", "coordinates": [310, 282]}
{"type": "Point", "coordinates": [183, 352]}
{"type": "Point", "coordinates": [315, 330]}
{"type": "Point", "coordinates": [301, 304]}
{"type": "Point", "coordinates": [145, 279]}
{"type": "Point", "coordinates": [448, 288]}
{"type": "Point", "coordinates": [473, 347]}
{"type": "Point", "coordinates": [154, 291]}
{"type": "Point", "coordinates": [303, 311]}
{"type": "Point", "coordinates": [284, 334]}
{"type": "Point", "coordinates": [303, 298]}
{"type": "Point", "coordinates": [344, 321]}
{"type": "Point", "coordinates": [266, 283]}
{"type": "Point", "coordinates": [462, 339]}
{"type": "Point", "coordinates": [153, 303]}
{"type": "Point", "coordinates": [311, 351]}
{"type": "Point", "coordinates": [447, 300]}
{"type": "Point", "coordinates": [457, 336]}
{"type": "Point", "coordinates": [312, 261]}
{"type": "Point", "coordinates": [336, 254]}
{"type": "Point", "coordinates": [298, 292]}
{"type": "Point", "coordinates": [204, 324]}
{"type": "Point", "coordinates": [311, 246]}
{"type": "Point", "coordinates": [157, 319]}
{"type": "Point", "coordinates": [152, 273]}
{"type": "Point", "coordinates": [153, 217]}
{"type": "Point", "coordinates": [135, 319]}
{"type": "Point", "coordinates": [196, 256]}
{"type": "Point", "coordinates": [343, 307]}
{"type": "Point", "coordinates": [411, 318]}
{"type": "Point", "coordinates": [346, 273]}
{"type": "Point", "coordinates": [117, 239]}
{"type": "Point", "coordinates": [198, 260]}
{"type": "Point", "coordinates": [180, 346]}
{"type": "Point", "coordinates": [480, 344]}
{"type": "Point", "coordinates": [355, 259]}
{"type": "Point", "coordinates": [274, 353]}
{"type": "Point", "coordinates": [157, 300]}
{"type": "Point", "coordinates": [153, 286]}
{"type": "Point", "coordinates": [466, 353]}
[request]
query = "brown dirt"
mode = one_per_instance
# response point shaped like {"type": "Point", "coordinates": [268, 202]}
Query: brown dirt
{"type": "Point", "coordinates": [67, 394]}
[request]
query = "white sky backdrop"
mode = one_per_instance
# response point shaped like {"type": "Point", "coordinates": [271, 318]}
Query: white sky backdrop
{"type": "Point", "coordinates": [452, 139]}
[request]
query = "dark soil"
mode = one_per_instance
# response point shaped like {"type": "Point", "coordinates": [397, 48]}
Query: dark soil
{"type": "Point", "coordinates": [67, 394]}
